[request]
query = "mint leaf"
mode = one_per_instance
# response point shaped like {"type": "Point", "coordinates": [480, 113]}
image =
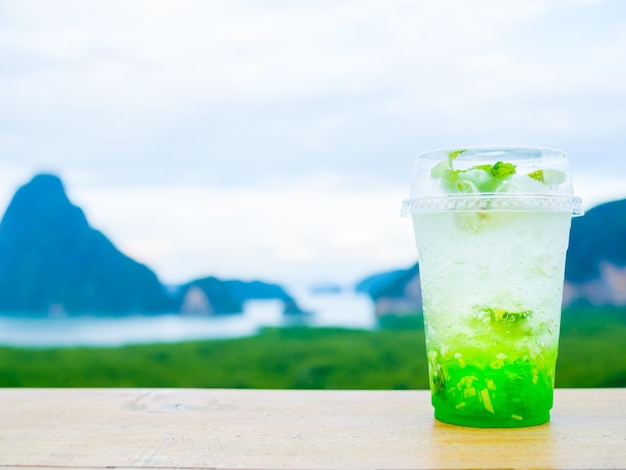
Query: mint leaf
{"type": "Point", "coordinates": [549, 177]}
{"type": "Point", "coordinates": [500, 315]}
{"type": "Point", "coordinates": [486, 167]}
{"type": "Point", "coordinates": [477, 179]}
{"type": "Point", "coordinates": [453, 154]}
{"type": "Point", "coordinates": [514, 317]}
{"type": "Point", "coordinates": [441, 170]}
{"type": "Point", "coordinates": [502, 170]}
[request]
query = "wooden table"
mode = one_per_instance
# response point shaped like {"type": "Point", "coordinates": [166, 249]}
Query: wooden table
{"type": "Point", "coordinates": [287, 429]}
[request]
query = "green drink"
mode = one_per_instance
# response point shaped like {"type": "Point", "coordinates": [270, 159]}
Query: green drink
{"type": "Point", "coordinates": [492, 229]}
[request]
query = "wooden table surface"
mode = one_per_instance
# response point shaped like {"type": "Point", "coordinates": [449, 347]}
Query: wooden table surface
{"type": "Point", "coordinates": [288, 429]}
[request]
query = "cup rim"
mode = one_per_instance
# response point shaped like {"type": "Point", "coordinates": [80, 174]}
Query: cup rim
{"type": "Point", "coordinates": [494, 202]}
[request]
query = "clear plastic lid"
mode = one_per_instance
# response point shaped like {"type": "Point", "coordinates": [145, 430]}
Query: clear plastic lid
{"type": "Point", "coordinates": [495, 179]}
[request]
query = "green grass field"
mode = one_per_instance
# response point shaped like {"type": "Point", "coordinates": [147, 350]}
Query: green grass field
{"type": "Point", "coordinates": [592, 354]}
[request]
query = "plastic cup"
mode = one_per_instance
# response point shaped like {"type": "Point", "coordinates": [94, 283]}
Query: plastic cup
{"type": "Point", "coordinates": [492, 230]}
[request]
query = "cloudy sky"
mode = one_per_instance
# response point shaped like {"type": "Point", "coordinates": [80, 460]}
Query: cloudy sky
{"type": "Point", "coordinates": [275, 139]}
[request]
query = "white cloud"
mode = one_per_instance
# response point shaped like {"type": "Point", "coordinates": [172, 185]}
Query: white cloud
{"type": "Point", "coordinates": [597, 187]}
{"type": "Point", "coordinates": [176, 124]}
{"type": "Point", "coordinates": [164, 54]}
{"type": "Point", "coordinates": [293, 233]}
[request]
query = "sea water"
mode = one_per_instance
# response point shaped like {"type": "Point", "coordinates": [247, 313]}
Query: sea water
{"type": "Point", "coordinates": [346, 309]}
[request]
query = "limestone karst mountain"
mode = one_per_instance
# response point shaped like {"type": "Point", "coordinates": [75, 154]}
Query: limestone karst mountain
{"type": "Point", "coordinates": [52, 260]}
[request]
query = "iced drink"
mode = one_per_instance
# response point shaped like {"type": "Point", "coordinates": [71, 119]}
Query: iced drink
{"type": "Point", "coordinates": [492, 229]}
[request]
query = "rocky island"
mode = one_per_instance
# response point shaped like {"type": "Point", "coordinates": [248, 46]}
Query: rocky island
{"type": "Point", "coordinates": [53, 262]}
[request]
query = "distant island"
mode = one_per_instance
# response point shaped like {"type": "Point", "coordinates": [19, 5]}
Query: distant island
{"type": "Point", "coordinates": [53, 262]}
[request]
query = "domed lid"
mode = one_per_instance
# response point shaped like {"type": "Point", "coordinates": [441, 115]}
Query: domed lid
{"type": "Point", "coordinates": [491, 178]}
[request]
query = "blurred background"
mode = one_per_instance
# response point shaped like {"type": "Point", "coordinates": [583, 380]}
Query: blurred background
{"type": "Point", "coordinates": [218, 184]}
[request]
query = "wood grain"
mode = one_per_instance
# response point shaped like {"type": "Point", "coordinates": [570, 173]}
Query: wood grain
{"type": "Point", "coordinates": [287, 429]}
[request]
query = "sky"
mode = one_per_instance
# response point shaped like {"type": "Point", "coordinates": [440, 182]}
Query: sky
{"type": "Point", "coordinates": [275, 139]}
